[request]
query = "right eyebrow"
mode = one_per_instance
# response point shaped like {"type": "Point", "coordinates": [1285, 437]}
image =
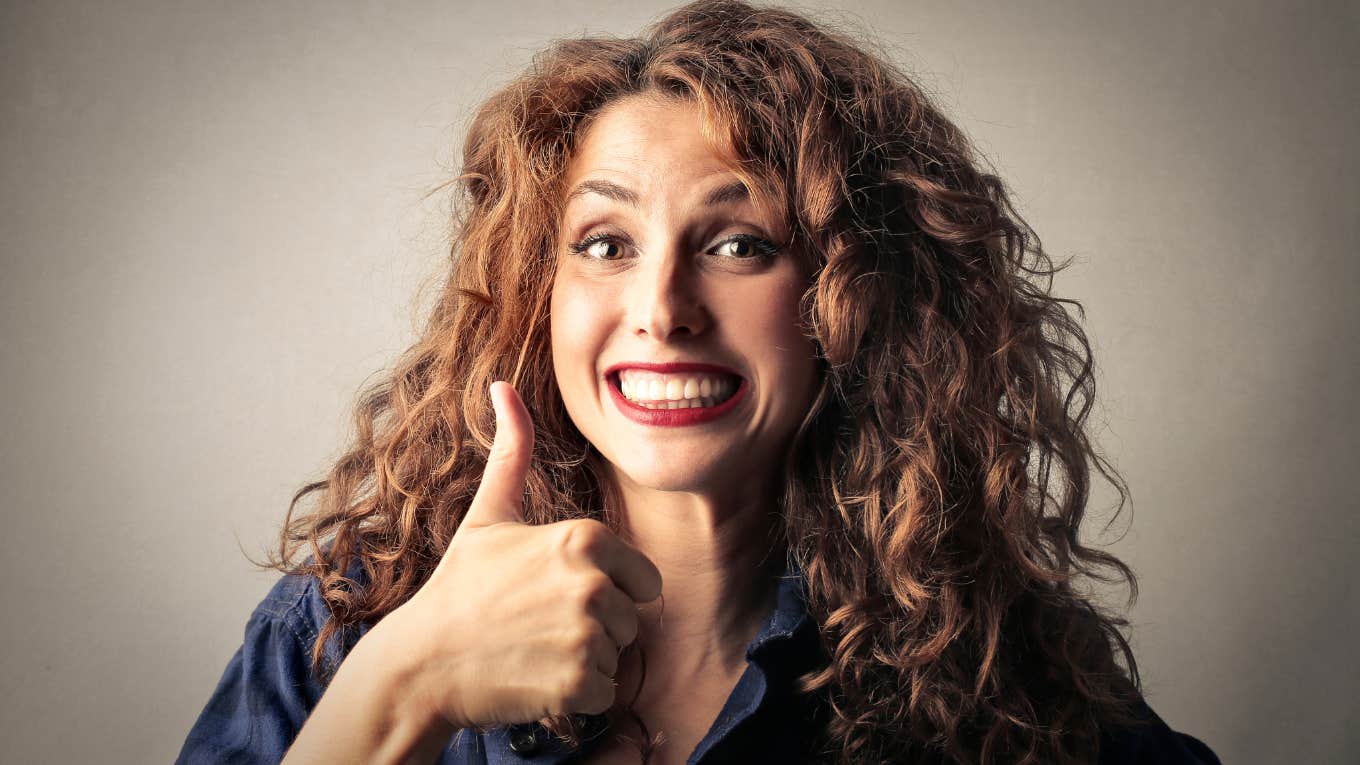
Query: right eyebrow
{"type": "Point", "coordinates": [605, 189]}
{"type": "Point", "coordinates": [732, 192]}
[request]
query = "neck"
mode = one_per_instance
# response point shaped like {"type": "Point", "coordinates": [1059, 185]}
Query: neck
{"type": "Point", "coordinates": [719, 564]}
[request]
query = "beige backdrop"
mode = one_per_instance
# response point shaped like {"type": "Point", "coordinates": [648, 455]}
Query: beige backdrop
{"type": "Point", "coordinates": [213, 229]}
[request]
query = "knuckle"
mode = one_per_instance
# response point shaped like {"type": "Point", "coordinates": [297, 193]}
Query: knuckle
{"type": "Point", "coordinates": [628, 628]}
{"type": "Point", "coordinates": [580, 643]}
{"type": "Point", "coordinates": [593, 593]}
{"type": "Point", "coordinates": [503, 450]}
{"type": "Point", "coordinates": [610, 659]}
{"type": "Point", "coordinates": [582, 536]}
{"type": "Point", "coordinates": [575, 687]}
{"type": "Point", "coordinates": [590, 693]}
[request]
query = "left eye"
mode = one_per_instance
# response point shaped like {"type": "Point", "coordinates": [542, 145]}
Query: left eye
{"type": "Point", "coordinates": [744, 247]}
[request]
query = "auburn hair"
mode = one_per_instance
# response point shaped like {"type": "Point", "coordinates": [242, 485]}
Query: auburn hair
{"type": "Point", "coordinates": [934, 493]}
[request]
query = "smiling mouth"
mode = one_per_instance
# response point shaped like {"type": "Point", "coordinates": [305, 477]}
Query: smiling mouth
{"type": "Point", "coordinates": [684, 390]}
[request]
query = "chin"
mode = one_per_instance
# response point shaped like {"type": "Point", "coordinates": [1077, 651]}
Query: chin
{"type": "Point", "coordinates": [668, 473]}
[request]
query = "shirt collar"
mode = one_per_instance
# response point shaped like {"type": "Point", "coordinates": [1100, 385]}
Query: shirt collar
{"type": "Point", "coordinates": [790, 612]}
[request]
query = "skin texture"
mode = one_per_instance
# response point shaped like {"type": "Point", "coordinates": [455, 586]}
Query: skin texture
{"type": "Point", "coordinates": [669, 287]}
{"type": "Point", "coordinates": [542, 636]}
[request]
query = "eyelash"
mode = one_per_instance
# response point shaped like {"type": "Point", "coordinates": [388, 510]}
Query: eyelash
{"type": "Point", "coordinates": [764, 249]}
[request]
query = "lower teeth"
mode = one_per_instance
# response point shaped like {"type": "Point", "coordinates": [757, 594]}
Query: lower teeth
{"type": "Point", "coordinates": [688, 403]}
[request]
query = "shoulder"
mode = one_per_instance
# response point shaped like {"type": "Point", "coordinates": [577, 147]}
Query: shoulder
{"type": "Point", "coordinates": [1151, 740]}
{"type": "Point", "coordinates": [268, 688]}
{"type": "Point", "coordinates": [295, 607]}
{"type": "Point", "coordinates": [294, 602]}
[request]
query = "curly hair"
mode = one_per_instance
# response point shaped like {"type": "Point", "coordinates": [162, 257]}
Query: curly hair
{"type": "Point", "coordinates": [934, 492]}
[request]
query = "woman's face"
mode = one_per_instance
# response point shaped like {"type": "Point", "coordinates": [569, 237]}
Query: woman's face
{"type": "Point", "coordinates": [675, 333]}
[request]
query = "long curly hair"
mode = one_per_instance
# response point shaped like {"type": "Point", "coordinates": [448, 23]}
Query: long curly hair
{"type": "Point", "coordinates": [934, 493]}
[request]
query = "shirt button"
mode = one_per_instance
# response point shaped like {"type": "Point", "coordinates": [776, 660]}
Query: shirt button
{"type": "Point", "coordinates": [524, 740]}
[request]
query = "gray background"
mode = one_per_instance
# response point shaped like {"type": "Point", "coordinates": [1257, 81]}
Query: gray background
{"type": "Point", "coordinates": [214, 232]}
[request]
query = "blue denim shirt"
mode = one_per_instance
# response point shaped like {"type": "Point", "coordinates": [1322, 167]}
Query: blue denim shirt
{"type": "Point", "coordinates": [268, 690]}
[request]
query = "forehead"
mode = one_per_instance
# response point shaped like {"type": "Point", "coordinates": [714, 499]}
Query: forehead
{"type": "Point", "coordinates": [655, 153]}
{"type": "Point", "coordinates": [643, 139]}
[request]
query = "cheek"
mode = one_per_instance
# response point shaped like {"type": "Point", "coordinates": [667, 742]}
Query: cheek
{"type": "Point", "coordinates": [796, 361]}
{"type": "Point", "coordinates": [773, 324]}
{"type": "Point", "coordinates": [764, 321]}
{"type": "Point", "coordinates": [576, 327]}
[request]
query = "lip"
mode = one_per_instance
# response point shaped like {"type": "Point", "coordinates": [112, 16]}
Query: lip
{"type": "Point", "coordinates": [672, 417]}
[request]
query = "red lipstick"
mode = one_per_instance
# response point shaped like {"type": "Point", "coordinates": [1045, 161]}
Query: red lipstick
{"type": "Point", "coordinates": [672, 417]}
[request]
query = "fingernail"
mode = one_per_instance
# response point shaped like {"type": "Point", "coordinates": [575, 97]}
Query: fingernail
{"type": "Point", "coordinates": [495, 400]}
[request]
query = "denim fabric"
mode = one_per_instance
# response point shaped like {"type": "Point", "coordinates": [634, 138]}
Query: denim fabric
{"type": "Point", "coordinates": [268, 690]}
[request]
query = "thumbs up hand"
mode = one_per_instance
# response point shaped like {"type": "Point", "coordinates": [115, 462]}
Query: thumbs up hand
{"type": "Point", "coordinates": [519, 622]}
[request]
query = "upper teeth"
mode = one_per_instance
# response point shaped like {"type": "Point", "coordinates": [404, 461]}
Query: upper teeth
{"type": "Point", "coordinates": [690, 389]}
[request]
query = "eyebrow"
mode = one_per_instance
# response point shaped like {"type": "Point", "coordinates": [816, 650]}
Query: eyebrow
{"type": "Point", "coordinates": [735, 191]}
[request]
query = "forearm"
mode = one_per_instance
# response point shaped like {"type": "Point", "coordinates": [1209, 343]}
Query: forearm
{"type": "Point", "coordinates": [368, 715]}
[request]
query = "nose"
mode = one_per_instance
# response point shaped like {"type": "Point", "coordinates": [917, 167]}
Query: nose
{"type": "Point", "coordinates": [666, 303]}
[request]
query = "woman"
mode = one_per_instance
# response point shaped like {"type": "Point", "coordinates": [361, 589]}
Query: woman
{"type": "Point", "coordinates": [791, 468]}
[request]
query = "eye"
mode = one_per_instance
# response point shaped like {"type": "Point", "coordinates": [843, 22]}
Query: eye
{"type": "Point", "coordinates": [598, 247]}
{"type": "Point", "coordinates": [745, 247]}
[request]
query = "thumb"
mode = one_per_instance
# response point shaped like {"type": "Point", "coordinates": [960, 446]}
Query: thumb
{"type": "Point", "coordinates": [501, 493]}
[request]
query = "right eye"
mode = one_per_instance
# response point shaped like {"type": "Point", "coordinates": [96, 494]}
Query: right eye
{"type": "Point", "coordinates": [599, 247]}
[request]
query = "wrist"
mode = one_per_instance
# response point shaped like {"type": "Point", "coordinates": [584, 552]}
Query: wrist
{"type": "Point", "coordinates": [374, 710]}
{"type": "Point", "coordinates": [397, 663]}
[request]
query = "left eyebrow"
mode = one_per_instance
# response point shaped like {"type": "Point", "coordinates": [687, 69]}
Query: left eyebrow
{"type": "Point", "coordinates": [735, 191]}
